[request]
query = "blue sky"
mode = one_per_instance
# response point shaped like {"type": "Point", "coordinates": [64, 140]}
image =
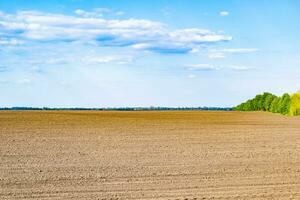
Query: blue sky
{"type": "Point", "coordinates": [87, 53]}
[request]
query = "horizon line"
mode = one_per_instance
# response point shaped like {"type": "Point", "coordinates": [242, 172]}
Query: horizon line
{"type": "Point", "coordinates": [119, 108]}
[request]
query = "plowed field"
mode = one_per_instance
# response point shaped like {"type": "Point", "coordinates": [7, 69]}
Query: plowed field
{"type": "Point", "coordinates": [176, 155]}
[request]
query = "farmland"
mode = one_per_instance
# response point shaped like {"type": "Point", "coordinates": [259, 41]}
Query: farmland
{"type": "Point", "coordinates": [182, 155]}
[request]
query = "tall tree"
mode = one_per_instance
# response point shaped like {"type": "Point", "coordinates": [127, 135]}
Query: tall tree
{"type": "Point", "coordinates": [284, 104]}
{"type": "Point", "coordinates": [295, 104]}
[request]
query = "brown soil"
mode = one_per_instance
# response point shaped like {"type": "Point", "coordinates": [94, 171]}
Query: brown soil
{"type": "Point", "coordinates": [182, 155]}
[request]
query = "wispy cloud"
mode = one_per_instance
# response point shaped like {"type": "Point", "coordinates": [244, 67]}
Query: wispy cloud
{"type": "Point", "coordinates": [203, 67]}
{"type": "Point", "coordinates": [107, 59]}
{"type": "Point", "coordinates": [119, 13]}
{"type": "Point", "coordinates": [224, 13]}
{"type": "Point", "coordinates": [237, 50]}
{"type": "Point", "coordinates": [212, 67]}
{"type": "Point", "coordinates": [240, 68]}
{"type": "Point", "coordinates": [36, 69]}
{"type": "Point", "coordinates": [95, 13]}
{"type": "Point", "coordinates": [140, 34]}
{"type": "Point", "coordinates": [10, 42]}
{"type": "Point", "coordinates": [214, 55]}
{"type": "Point", "coordinates": [222, 53]}
{"type": "Point", "coordinates": [24, 81]}
{"type": "Point", "coordinates": [191, 76]}
{"type": "Point", "coordinates": [56, 61]}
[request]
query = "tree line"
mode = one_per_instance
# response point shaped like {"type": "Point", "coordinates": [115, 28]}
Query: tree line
{"type": "Point", "coordinates": [121, 108]}
{"type": "Point", "coordinates": [285, 104]}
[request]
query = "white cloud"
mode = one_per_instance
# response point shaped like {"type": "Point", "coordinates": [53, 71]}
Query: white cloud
{"type": "Point", "coordinates": [222, 53]}
{"type": "Point", "coordinates": [102, 10]}
{"type": "Point", "coordinates": [237, 50]}
{"type": "Point", "coordinates": [240, 68]}
{"type": "Point", "coordinates": [119, 13]}
{"type": "Point", "coordinates": [203, 67]}
{"type": "Point", "coordinates": [10, 42]}
{"type": "Point", "coordinates": [89, 26]}
{"type": "Point", "coordinates": [107, 59]}
{"type": "Point", "coordinates": [44, 63]}
{"type": "Point", "coordinates": [211, 67]}
{"type": "Point", "coordinates": [36, 69]}
{"type": "Point", "coordinates": [20, 81]}
{"type": "Point", "coordinates": [82, 13]}
{"type": "Point", "coordinates": [195, 50]}
{"type": "Point", "coordinates": [96, 13]}
{"type": "Point", "coordinates": [216, 55]}
{"type": "Point", "coordinates": [224, 13]}
{"type": "Point", "coordinates": [24, 81]}
{"type": "Point", "coordinates": [51, 61]}
{"type": "Point", "coordinates": [191, 76]}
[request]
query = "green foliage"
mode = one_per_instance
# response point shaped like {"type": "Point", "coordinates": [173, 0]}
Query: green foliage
{"type": "Point", "coordinates": [285, 105]}
{"type": "Point", "coordinates": [295, 105]}
{"type": "Point", "coordinates": [268, 102]}
{"type": "Point", "coordinates": [274, 105]}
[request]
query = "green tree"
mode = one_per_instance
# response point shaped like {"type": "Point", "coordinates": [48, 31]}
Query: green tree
{"type": "Point", "coordinates": [257, 102]}
{"type": "Point", "coordinates": [274, 105]}
{"type": "Point", "coordinates": [268, 101]}
{"type": "Point", "coordinates": [295, 104]}
{"type": "Point", "coordinates": [284, 104]}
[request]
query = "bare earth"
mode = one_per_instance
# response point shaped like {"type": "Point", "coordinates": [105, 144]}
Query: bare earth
{"type": "Point", "coordinates": [176, 155]}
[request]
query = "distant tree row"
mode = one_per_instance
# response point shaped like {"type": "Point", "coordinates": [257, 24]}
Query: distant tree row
{"type": "Point", "coordinates": [286, 104]}
{"type": "Point", "coordinates": [121, 108]}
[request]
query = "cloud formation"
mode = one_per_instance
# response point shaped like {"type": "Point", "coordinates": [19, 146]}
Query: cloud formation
{"type": "Point", "coordinates": [24, 81]}
{"type": "Point", "coordinates": [191, 76]}
{"type": "Point", "coordinates": [10, 42]}
{"type": "Point", "coordinates": [86, 26]}
{"type": "Point", "coordinates": [224, 13]}
{"type": "Point", "coordinates": [238, 50]}
{"type": "Point", "coordinates": [97, 12]}
{"type": "Point", "coordinates": [222, 53]}
{"type": "Point", "coordinates": [240, 68]}
{"type": "Point", "coordinates": [107, 59]}
{"type": "Point", "coordinates": [203, 67]}
{"type": "Point", "coordinates": [211, 67]}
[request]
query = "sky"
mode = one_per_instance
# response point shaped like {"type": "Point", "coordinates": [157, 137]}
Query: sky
{"type": "Point", "coordinates": [116, 53]}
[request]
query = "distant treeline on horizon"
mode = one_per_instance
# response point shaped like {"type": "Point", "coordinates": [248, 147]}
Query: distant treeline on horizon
{"type": "Point", "coordinates": [122, 108]}
{"type": "Point", "coordinates": [286, 104]}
